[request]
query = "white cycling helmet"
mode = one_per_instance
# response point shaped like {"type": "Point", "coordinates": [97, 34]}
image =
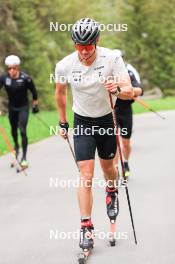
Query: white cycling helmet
{"type": "Point", "coordinates": [85, 31]}
{"type": "Point", "coordinates": [12, 60]}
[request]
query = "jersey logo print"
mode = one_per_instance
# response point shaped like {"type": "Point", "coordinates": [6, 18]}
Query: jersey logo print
{"type": "Point", "coordinates": [111, 155]}
{"type": "Point", "coordinates": [77, 77]}
{"type": "Point", "coordinates": [130, 73]}
{"type": "Point", "coordinates": [8, 81]}
{"type": "Point", "coordinates": [76, 72]}
{"type": "Point", "coordinates": [98, 68]}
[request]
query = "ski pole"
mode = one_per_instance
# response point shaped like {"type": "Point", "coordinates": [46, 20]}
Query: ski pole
{"type": "Point", "coordinates": [141, 102]}
{"type": "Point", "coordinates": [67, 138]}
{"type": "Point", "coordinates": [11, 148]}
{"type": "Point", "coordinates": [122, 165]}
{"type": "Point", "coordinates": [42, 121]}
{"type": "Point", "coordinates": [71, 149]}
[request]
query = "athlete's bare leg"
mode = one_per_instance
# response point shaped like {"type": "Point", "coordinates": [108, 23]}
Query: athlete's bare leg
{"type": "Point", "coordinates": [109, 170]}
{"type": "Point", "coordinates": [126, 148]}
{"type": "Point", "coordinates": [85, 198]}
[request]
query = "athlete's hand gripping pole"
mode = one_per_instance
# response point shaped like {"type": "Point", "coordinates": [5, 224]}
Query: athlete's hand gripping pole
{"type": "Point", "coordinates": [141, 102]}
{"type": "Point", "coordinates": [122, 164]}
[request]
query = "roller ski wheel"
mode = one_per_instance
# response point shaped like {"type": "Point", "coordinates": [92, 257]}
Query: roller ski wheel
{"type": "Point", "coordinates": [23, 166]}
{"type": "Point", "coordinates": [112, 243]}
{"type": "Point", "coordinates": [13, 164]}
{"type": "Point", "coordinates": [18, 170]}
{"type": "Point", "coordinates": [83, 256]}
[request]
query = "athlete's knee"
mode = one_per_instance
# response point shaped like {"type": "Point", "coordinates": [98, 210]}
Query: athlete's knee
{"type": "Point", "coordinates": [23, 131]}
{"type": "Point", "coordinates": [24, 137]}
{"type": "Point", "coordinates": [108, 168]}
{"type": "Point", "coordinates": [86, 171]}
{"type": "Point", "coordinates": [86, 179]}
{"type": "Point", "coordinates": [14, 130]}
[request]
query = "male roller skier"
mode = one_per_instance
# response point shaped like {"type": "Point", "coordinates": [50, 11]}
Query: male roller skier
{"type": "Point", "coordinates": [84, 69]}
{"type": "Point", "coordinates": [123, 110]}
{"type": "Point", "coordinates": [17, 84]}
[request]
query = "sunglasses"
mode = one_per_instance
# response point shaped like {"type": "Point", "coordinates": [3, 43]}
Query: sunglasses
{"type": "Point", "coordinates": [12, 68]}
{"type": "Point", "coordinates": [80, 47]}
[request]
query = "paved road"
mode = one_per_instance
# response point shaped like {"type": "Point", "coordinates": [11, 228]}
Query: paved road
{"type": "Point", "coordinates": [38, 215]}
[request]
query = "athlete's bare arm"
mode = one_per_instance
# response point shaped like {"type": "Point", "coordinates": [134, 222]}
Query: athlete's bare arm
{"type": "Point", "coordinates": [60, 96]}
{"type": "Point", "coordinates": [127, 91]}
{"type": "Point", "coordinates": [137, 91]}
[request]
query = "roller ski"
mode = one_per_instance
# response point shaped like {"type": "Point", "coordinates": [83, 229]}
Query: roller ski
{"type": "Point", "coordinates": [23, 166]}
{"type": "Point", "coordinates": [112, 206]}
{"type": "Point", "coordinates": [16, 164]}
{"type": "Point", "coordinates": [86, 241]}
{"type": "Point", "coordinates": [13, 164]}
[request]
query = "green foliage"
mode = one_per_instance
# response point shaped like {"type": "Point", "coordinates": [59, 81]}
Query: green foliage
{"type": "Point", "coordinates": [148, 42]}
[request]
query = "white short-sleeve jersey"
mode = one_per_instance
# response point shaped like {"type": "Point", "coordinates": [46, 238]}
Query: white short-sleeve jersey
{"type": "Point", "coordinates": [90, 97]}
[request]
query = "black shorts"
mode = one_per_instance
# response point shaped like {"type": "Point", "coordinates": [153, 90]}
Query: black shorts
{"type": "Point", "coordinates": [86, 141]}
{"type": "Point", "coordinates": [124, 120]}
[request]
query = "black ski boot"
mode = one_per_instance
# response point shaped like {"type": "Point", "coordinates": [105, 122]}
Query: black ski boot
{"type": "Point", "coordinates": [112, 206]}
{"type": "Point", "coordinates": [112, 203]}
{"type": "Point", "coordinates": [86, 235]}
{"type": "Point", "coordinates": [127, 169]}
